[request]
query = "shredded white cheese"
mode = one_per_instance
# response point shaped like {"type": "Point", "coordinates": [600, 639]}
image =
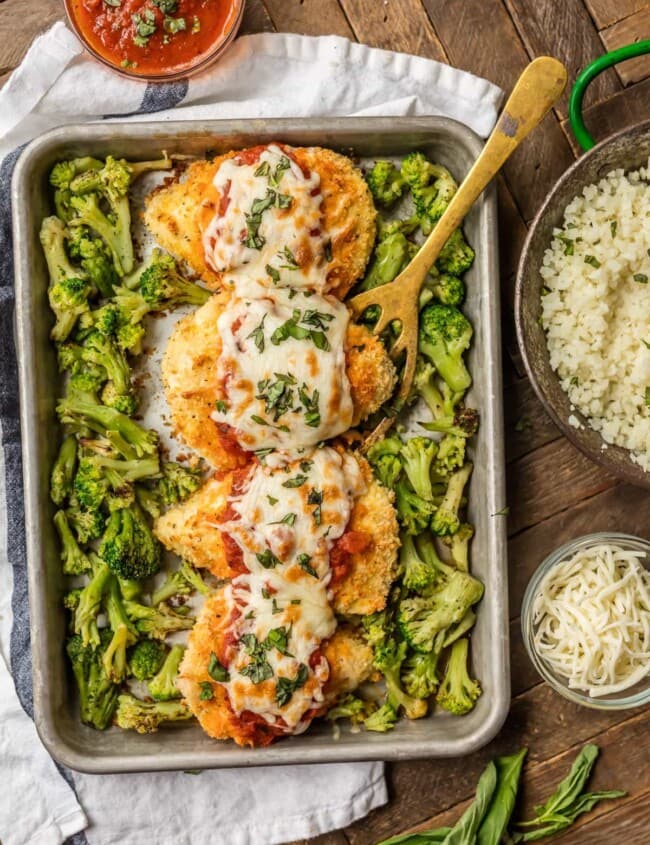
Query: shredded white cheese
{"type": "Point", "coordinates": [591, 618]}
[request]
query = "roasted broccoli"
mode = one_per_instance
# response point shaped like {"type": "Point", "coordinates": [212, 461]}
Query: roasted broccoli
{"type": "Point", "coordinates": [413, 512]}
{"type": "Point", "coordinates": [389, 657]}
{"type": "Point", "coordinates": [432, 187]}
{"type": "Point", "coordinates": [145, 659]}
{"type": "Point", "coordinates": [417, 572]}
{"type": "Point", "coordinates": [99, 418]}
{"type": "Point", "coordinates": [69, 291]}
{"type": "Point", "coordinates": [420, 675]}
{"type": "Point", "coordinates": [74, 561]}
{"type": "Point", "coordinates": [124, 634]}
{"type": "Point", "coordinates": [446, 519]}
{"type": "Point", "coordinates": [420, 619]}
{"type": "Point", "coordinates": [128, 545]}
{"type": "Point", "coordinates": [456, 256]}
{"type": "Point", "coordinates": [62, 475]}
{"type": "Point", "coordinates": [451, 455]}
{"type": "Point", "coordinates": [157, 622]}
{"type": "Point", "coordinates": [94, 258]}
{"type": "Point", "coordinates": [145, 717]}
{"type": "Point", "coordinates": [463, 423]}
{"type": "Point", "coordinates": [384, 457]}
{"type": "Point", "coordinates": [87, 524]}
{"type": "Point", "coordinates": [351, 707]}
{"type": "Point", "coordinates": [458, 544]}
{"type": "Point", "coordinates": [97, 693]}
{"type": "Point", "coordinates": [457, 692]}
{"type": "Point", "coordinates": [177, 482]}
{"type": "Point", "coordinates": [113, 227]}
{"type": "Point", "coordinates": [382, 720]}
{"type": "Point", "coordinates": [392, 253]}
{"type": "Point", "coordinates": [417, 456]}
{"type": "Point", "coordinates": [377, 627]}
{"type": "Point", "coordinates": [385, 182]}
{"type": "Point", "coordinates": [161, 284]}
{"type": "Point", "coordinates": [162, 687]}
{"type": "Point", "coordinates": [448, 289]}
{"type": "Point", "coordinates": [90, 602]}
{"type": "Point", "coordinates": [444, 336]}
{"type": "Point", "coordinates": [62, 175]}
{"type": "Point", "coordinates": [181, 582]}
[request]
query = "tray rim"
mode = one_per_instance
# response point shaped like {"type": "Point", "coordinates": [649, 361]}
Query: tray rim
{"type": "Point", "coordinates": [280, 753]}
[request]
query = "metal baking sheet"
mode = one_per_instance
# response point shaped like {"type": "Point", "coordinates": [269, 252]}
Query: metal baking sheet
{"type": "Point", "coordinates": [185, 746]}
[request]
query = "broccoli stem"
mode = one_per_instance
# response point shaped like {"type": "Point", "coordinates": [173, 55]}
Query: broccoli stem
{"type": "Point", "coordinates": [103, 420]}
{"type": "Point", "coordinates": [62, 476]}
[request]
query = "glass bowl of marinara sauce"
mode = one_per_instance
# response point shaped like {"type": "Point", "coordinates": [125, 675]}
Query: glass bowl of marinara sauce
{"type": "Point", "coordinates": [156, 40]}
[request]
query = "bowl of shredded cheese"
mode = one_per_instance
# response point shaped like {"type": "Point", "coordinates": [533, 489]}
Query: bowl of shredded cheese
{"type": "Point", "coordinates": [586, 621]}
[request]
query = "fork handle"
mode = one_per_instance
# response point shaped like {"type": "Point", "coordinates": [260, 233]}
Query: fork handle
{"type": "Point", "coordinates": [538, 87]}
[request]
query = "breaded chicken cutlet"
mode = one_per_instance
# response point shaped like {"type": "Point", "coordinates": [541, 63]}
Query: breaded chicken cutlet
{"type": "Point", "coordinates": [240, 211]}
{"type": "Point", "coordinates": [194, 377]}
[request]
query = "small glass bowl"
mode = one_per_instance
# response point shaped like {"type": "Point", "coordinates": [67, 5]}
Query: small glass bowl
{"type": "Point", "coordinates": [201, 63]}
{"type": "Point", "coordinates": [634, 696]}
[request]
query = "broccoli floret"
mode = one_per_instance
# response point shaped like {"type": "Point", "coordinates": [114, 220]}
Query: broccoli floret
{"type": "Point", "coordinates": [97, 693]}
{"type": "Point", "coordinates": [444, 336]}
{"type": "Point", "coordinates": [124, 633]}
{"type": "Point", "coordinates": [125, 403]}
{"type": "Point", "coordinates": [455, 632]}
{"type": "Point", "coordinates": [420, 677]}
{"type": "Point", "coordinates": [128, 546]}
{"type": "Point", "coordinates": [95, 259]}
{"type": "Point", "coordinates": [458, 544]}
{"type": "Point", "coordinates": [457, 692]}
{"type": "Point", "coordinates": [377, 627]}
{"type": "Point", "coordinates": [63, 471]}
{"type": "Point", "coordinates": [420, 619]}
{"type": "Point", "coordinates": [69, 291]}
{"type": "Point", "coordinates": [440, 398]}
{"type": "Point", "coordinates": [74, 561]}
{"type": "Point", "coordinates": [97, 483]}
{"type": "Point", "coordinates": [162, 285]}
{"type": "Point", "coordinates": [90, 485]}
{"type": "Point", "coordinates": [145, 659]}
{"type": "Point", "coordinates": [128, 471]}
{"type": "Point", "coordinates": [130, 588]}
{"type": "Point", "coordinates": [417, 456]}
{"type": "Point", "coordinates": [62, 175]}
{"type": "Point", "coordinates": [384, 458]}
{"type": "Point", "coordinates": [385, 182]}
{"type": "Point", "coordinates": [181, 582]}
{"type": "Point", "coordinates": [162, 687]}
{"type": "Point", "coordinates": [451, 455]}
{"type": "Point", "coordinates": [456, 256]}
{"type": "Point", "coordinates": [417, 573]}
{"type": "Point", "coordinates": [445, 519]}
{"type": "Point", "coordinates": [389, 657]}
{"type": "Point", "coordinates": [432, 187]}
{"type": "Point", "coordinates": [357, 710]}
{"type": "Point", "coordinates": [87, 524]}
{"type": "Point", "coordinates": [71, 599]}
{"type": "Point", "coordinates": [148, 500]}
{"type": "Point", "coordinates": [413, 512]}
{"type": "Point", "coordinates": [392, 253]}
{"type": "Point", "coordinates": [177, 482]}
{"type": "Point", "coordinates": [448, 289]}
{"type": "Point", "coordinates": [382, 720]}
{"type": "Point", "coordinates": [103, 420]}
{"type": "Point", "coordinates": [90, 602]}
{"type": "Point", "coordinates": [463, 423]}
{"type": "Point", "coordinates": [145, 717]}
{"type": "Point", "coordinates": [115, 229]}
{"type": "Point", "coordinates": [157, 622]}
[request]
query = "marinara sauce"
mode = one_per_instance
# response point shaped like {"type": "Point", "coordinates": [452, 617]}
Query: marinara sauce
{"type": "Point", "coordinates": [154, 38]}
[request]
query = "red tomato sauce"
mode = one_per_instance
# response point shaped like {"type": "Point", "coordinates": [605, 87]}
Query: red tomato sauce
{"type": "Point", "coordinates": [153, 37]}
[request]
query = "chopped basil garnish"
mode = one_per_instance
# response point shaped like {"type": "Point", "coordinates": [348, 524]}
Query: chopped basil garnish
{"type": "Point", "coordinates": [288, 519]}
{"type": "Point", "coordinates": [315, 497]}
{"type": "Point", "coordinates": [645, 343]}
{"type": "Point", "coordinates": [216, 670]}
{"type": "Point", "coordinates": [221, 405]}
{"type": "Point", "coordinates": [260, 454]}
{"type": "Point", "coordinates": [174, 25]}
{"type": "Point", "coordinates": [282, 165]}
{"type": "Point", "coordinates": [272, 500]}
{"type": "Point", "coordinates": [258, 335]}
{"type": "Point", "coordinates": [295, 601]}
{"type": "Point", "coordinates": [591, 259]}
{"type": "Point", "coordinates": [258, 671]}
{"type": "Point", "coordinates": [278, 638]}
{"type": "Point", "coordinates": [613, 226]}
{"type": "Point", "coordinates": [273, 273]}
{"type": "Point", "coordinates": [304, 562]}
{"type": "Point", "coordinates": [568, 245]}
{"type": "Point", "coordinates": [290, 258]}
{"type": "Point", "coordinates": [641, 278]}
{"type": "Point", "coordinates": [312, 413]}
{"type": "Point", "coordinates": [306, 465]}
{"type": "Point", "coordinates": [265, 593]}
{"type": "Point", "coordinates": [327, 251]}
{"type": "Point", "coordinates": [286, 687]}
{"type": "Point", "coordinates": [275, 608]}
{"type": "Point", "coordinates": [296, 481]}
{"type": "Point", "coordinates": [263, 169]}
{"type": "Point", "coordinates": [207, 693]}
{"type": "Point", "coordinates": [268, 559]}
{"type": "Point", "coordinates": [277, 395]}
{"type": "Point", "coordinates": [145, 26]}
{"type": "Point", "coordinates": [291, 328]}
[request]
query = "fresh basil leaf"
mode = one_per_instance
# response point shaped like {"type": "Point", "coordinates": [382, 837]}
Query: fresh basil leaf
{"type": "Point", "coordinates": [304, 562]}
{"type": "Point", "coordinates": [258, 671]}
{"type": "Point", "coordinates": [495, 823]}
{"type": "Point", "coordinates": [272, 273]}
{"type": "Point", "coordinates": [286, 686]}
{"type": "Point", "coordinates": [258, 335]}
{"type": "Point", "coordinates": [268, 560]}
{"type": "Point", "coordinates": [207, 693]}
{"type": "Point", "coordinates": [278, 638]}
{"type": "Point", "coordinates": [296, 481]}
{"type": "Point", "coordinates": [216, 670]}
{"type": "Point", "coordinates": [465, 829]}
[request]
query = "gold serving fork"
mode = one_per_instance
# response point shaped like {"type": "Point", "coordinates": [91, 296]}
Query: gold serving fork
{"type": "Point", "coordinates": [539, 86]}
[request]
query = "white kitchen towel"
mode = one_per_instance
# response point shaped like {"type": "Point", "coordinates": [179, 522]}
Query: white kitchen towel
{"type": "Point", "coordinates": [260, 76]}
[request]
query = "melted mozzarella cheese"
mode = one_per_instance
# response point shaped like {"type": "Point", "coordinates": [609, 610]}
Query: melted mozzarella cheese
{"type": "Point", "coordinates": [286, 522]}
{"type": "Point", "coordinates": [283, 368]}
{"type": "Point", "coordinates": [269, 223]}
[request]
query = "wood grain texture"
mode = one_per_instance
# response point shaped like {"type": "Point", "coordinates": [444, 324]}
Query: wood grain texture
{"type": "Point", "coordinates": [20, 23]}
{"type": "Point", "coordinates": [256, 18]}
{"type": "Point", "coordinates": [632, 29]}
{"type": "Point", "coordinates": [310, 17]}
{"type": "Point", "coordinates": [564, 30]}
{"type": "Point", "coordinates": [527, 425]}
{"type": "Point", "coordinates": [480, 36]}
{"type": "Point", "coordinates": [607, 12]}
{"type": "Point", "coordinates": [394, 25]}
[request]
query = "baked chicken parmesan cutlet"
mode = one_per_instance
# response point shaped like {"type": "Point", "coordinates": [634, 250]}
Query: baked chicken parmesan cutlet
{"type": "Point", "coordinates": [260, 381]}
{"type": "Point", "coordinates": [300, 215]}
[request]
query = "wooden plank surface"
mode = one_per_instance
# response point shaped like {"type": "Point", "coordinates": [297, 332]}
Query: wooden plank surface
{"type": "Point", "coordinates": [554, 492]}
{"type": "Point", "coordinates": [628, 31]}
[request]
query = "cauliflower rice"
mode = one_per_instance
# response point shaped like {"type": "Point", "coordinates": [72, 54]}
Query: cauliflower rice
{"type": "Point", "coordinates": [596, 308]}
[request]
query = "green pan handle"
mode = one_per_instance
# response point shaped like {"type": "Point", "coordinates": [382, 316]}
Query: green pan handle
{"type": "Point", "coordinates": [630, 51]}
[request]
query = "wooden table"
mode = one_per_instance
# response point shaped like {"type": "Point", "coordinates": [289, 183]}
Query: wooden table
{"type": "Point", "coordinates": [554, 492]}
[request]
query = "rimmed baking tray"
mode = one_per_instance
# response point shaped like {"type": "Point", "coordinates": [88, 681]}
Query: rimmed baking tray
{"type": "Point", "coordinates": [185, 746]}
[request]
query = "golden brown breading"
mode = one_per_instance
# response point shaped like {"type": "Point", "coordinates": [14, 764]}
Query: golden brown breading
{"type": "Point", "coordinates": [191, 531]}
{"type": "Point", "coordinates": [189, 371]}
{"type": "Point", "coordinates": [178, 213]}
{"type": "Point", "coordinates": [349, 657]}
